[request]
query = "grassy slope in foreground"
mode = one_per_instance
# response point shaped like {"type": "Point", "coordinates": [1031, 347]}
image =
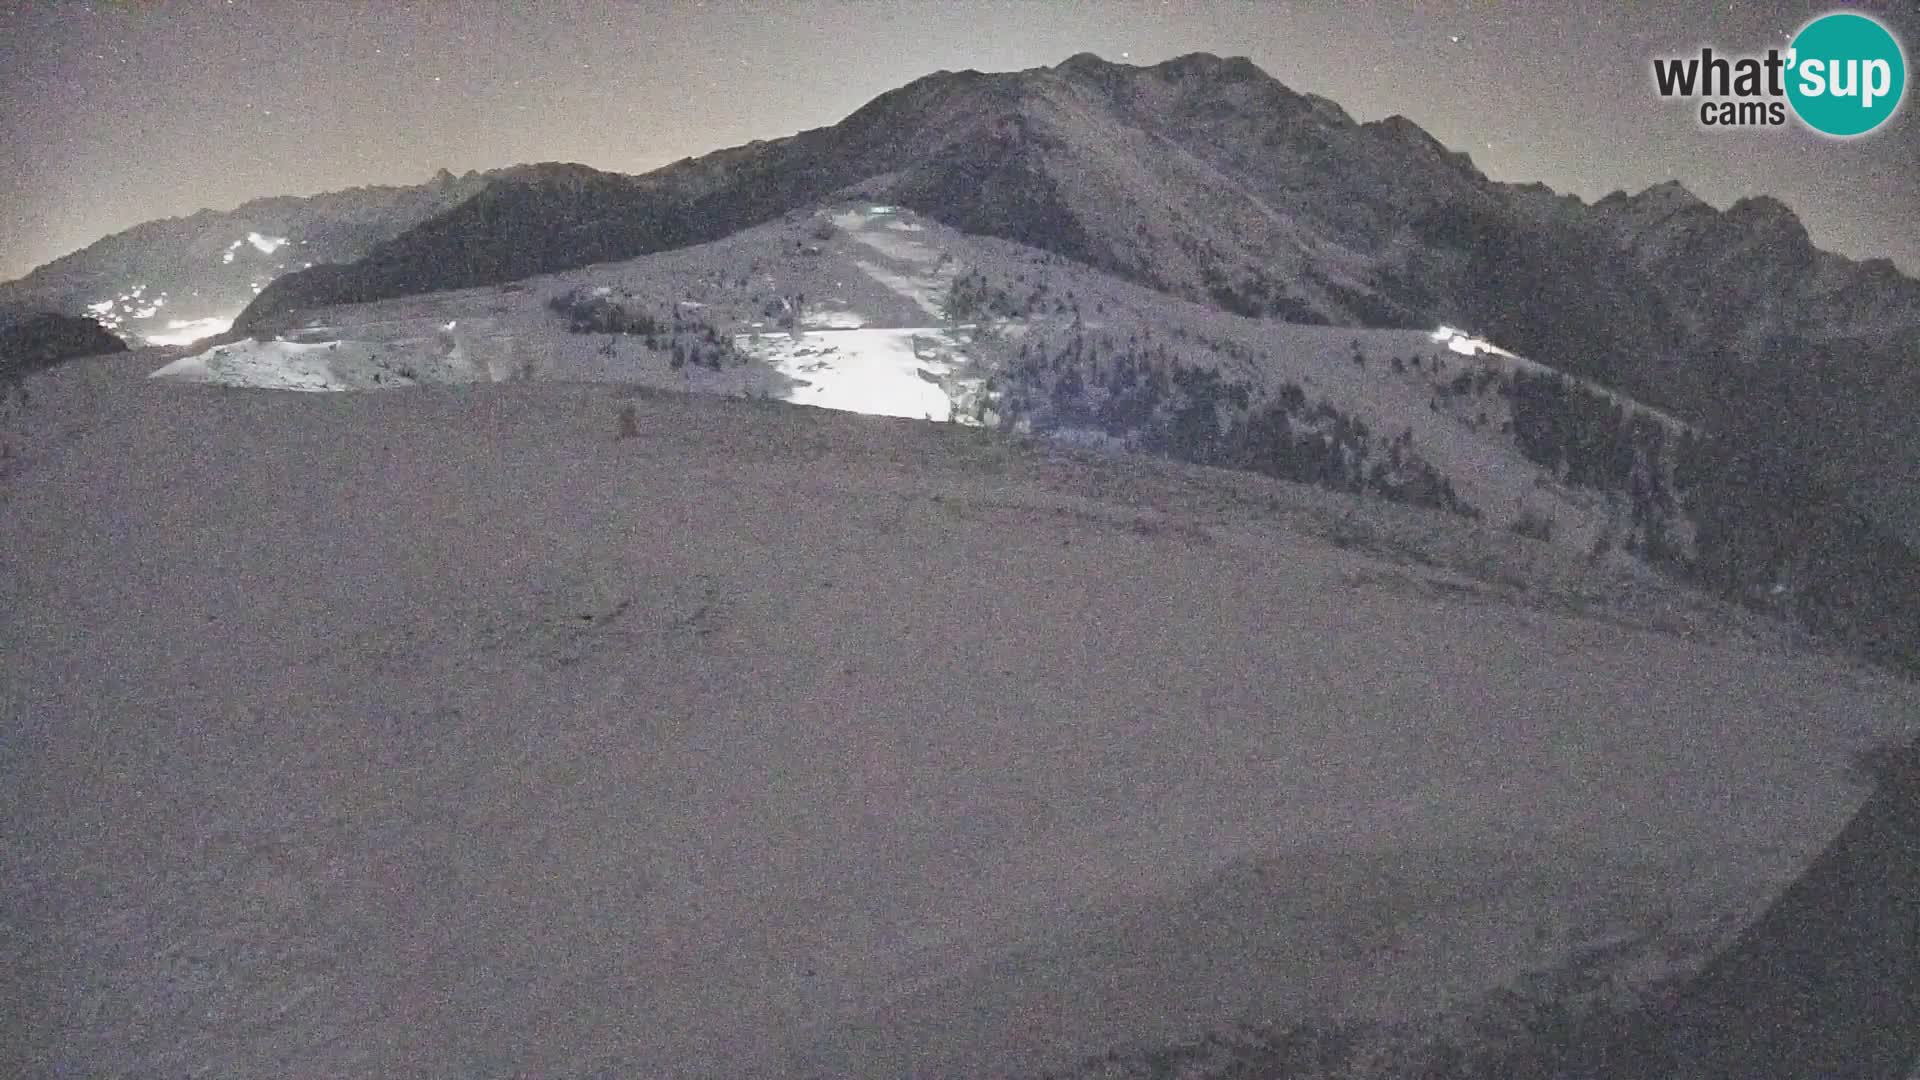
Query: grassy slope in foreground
{"type": "Point", "coordinates": [445, 732]}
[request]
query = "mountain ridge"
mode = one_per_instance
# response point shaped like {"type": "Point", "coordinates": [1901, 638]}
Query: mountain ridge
{"type": "Point", "coordinates": [1204, 118]}
{"type": "Point", "coordinates": [202, 268]}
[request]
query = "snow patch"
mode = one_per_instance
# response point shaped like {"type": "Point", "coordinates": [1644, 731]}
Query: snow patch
{"type": "Point", "coordinates": [188, 331]}
{"type": "Point", "coordinates": [1467, 345]}
{"type": "Point", "coordinates": [898, 371]}
{"type": "Point", "coordinates": [929, 293]}
{"type": "Point", "coordinates": [833, 320]}
{"type": "Point", "coordinates": [321, 365]}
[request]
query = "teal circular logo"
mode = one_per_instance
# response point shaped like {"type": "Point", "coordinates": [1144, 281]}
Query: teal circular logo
{"type": "Point", "coordinates": [1846, 74]}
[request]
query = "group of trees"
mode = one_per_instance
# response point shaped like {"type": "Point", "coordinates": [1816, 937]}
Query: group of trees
{"type": "Point", "coordinates": [1767, 531]}
{"type": "Point", "coordinates": [686, 338]}
{"type": "Point", "coordinates": [1144, 394]}
{"type": "Point", "coordinates": [1762, 530]}
{"type": "Point", "coordinates": [972, 296]}
{"type": "Point", "coordinates": [1469, 383]}
{"type": "Point", "coordinates": [1257, 296]}
{"type": "Point", "coordinates": [1590, 439]}
{"type": "Point", "coordinates": [1771, 534]}
{"type": "Point", "coordinates": [1582, 435]}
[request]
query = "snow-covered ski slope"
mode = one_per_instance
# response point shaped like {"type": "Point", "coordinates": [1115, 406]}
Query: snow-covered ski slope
{"type": "Point", "coordinates": [861, 340]}
{"type": "Point", "coordinates": [846, 307]}
{"type": "Point", "coordinates": [474, 730]}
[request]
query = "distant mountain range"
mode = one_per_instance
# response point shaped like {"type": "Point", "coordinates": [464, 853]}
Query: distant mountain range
{"type": "Point", "coordinates": [180, 278]}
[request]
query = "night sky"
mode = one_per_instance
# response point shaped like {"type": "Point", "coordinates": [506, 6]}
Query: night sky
{"type": "Point", "coordinates": [115, 113]}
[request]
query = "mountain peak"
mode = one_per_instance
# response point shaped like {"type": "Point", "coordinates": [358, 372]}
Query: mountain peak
{"type": "Point", "coordinates": [1667, 199]}
{"type": "Point", "coordinates": [1193, 64]}
{"type": "Point", "coordinates": [1209, 65]}
{"type": "Point", "coordinates": [1399, 129]}
{"type": "Point", "coordinates": [1762, 209]}
{"type": "Point", "coordinates": [1671, 193]}
{"type": "Point", "coordinates": [1085, 61]}
{"type": "Point", "coordinates": [1772, 218]}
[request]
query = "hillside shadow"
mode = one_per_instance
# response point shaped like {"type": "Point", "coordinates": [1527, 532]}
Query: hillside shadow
{"type": "Point", "coordinates": [1827, 982]}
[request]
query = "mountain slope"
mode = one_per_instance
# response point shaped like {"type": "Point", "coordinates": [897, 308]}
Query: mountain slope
{"type": "Point", "coordinates": [1827, 982]}
{"type": "Point", "coordinates": [1131, 170]}
{"type": "Point", "coordinates": [180, 278]}
{"type": "Point", "coordinates": [881, 310]}
{"type": "Point", "coordinates": [31, 341]}
{"type": "Point", "coordinates": [473, 738]}
{"type": "Point", "coordinates": [1205, 178]}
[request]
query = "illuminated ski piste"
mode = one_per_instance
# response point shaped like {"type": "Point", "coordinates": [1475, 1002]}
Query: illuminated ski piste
{"type": "Point", "coordinates": [882, 372]}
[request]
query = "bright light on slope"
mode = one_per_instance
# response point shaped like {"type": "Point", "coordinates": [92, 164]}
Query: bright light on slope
{"type": "Point", "coordinates": [268, 365]}
{"type": "Point", "coordinates": [1465, 345]}
{"type": "Point", "coordinates": [322, 365]}
{"type": "Point", "coordinates": [267, 245]}
{"type": "Point", "coordinates": [880, 372]}
{"type": "Point", "coordinates": [188, 331]}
